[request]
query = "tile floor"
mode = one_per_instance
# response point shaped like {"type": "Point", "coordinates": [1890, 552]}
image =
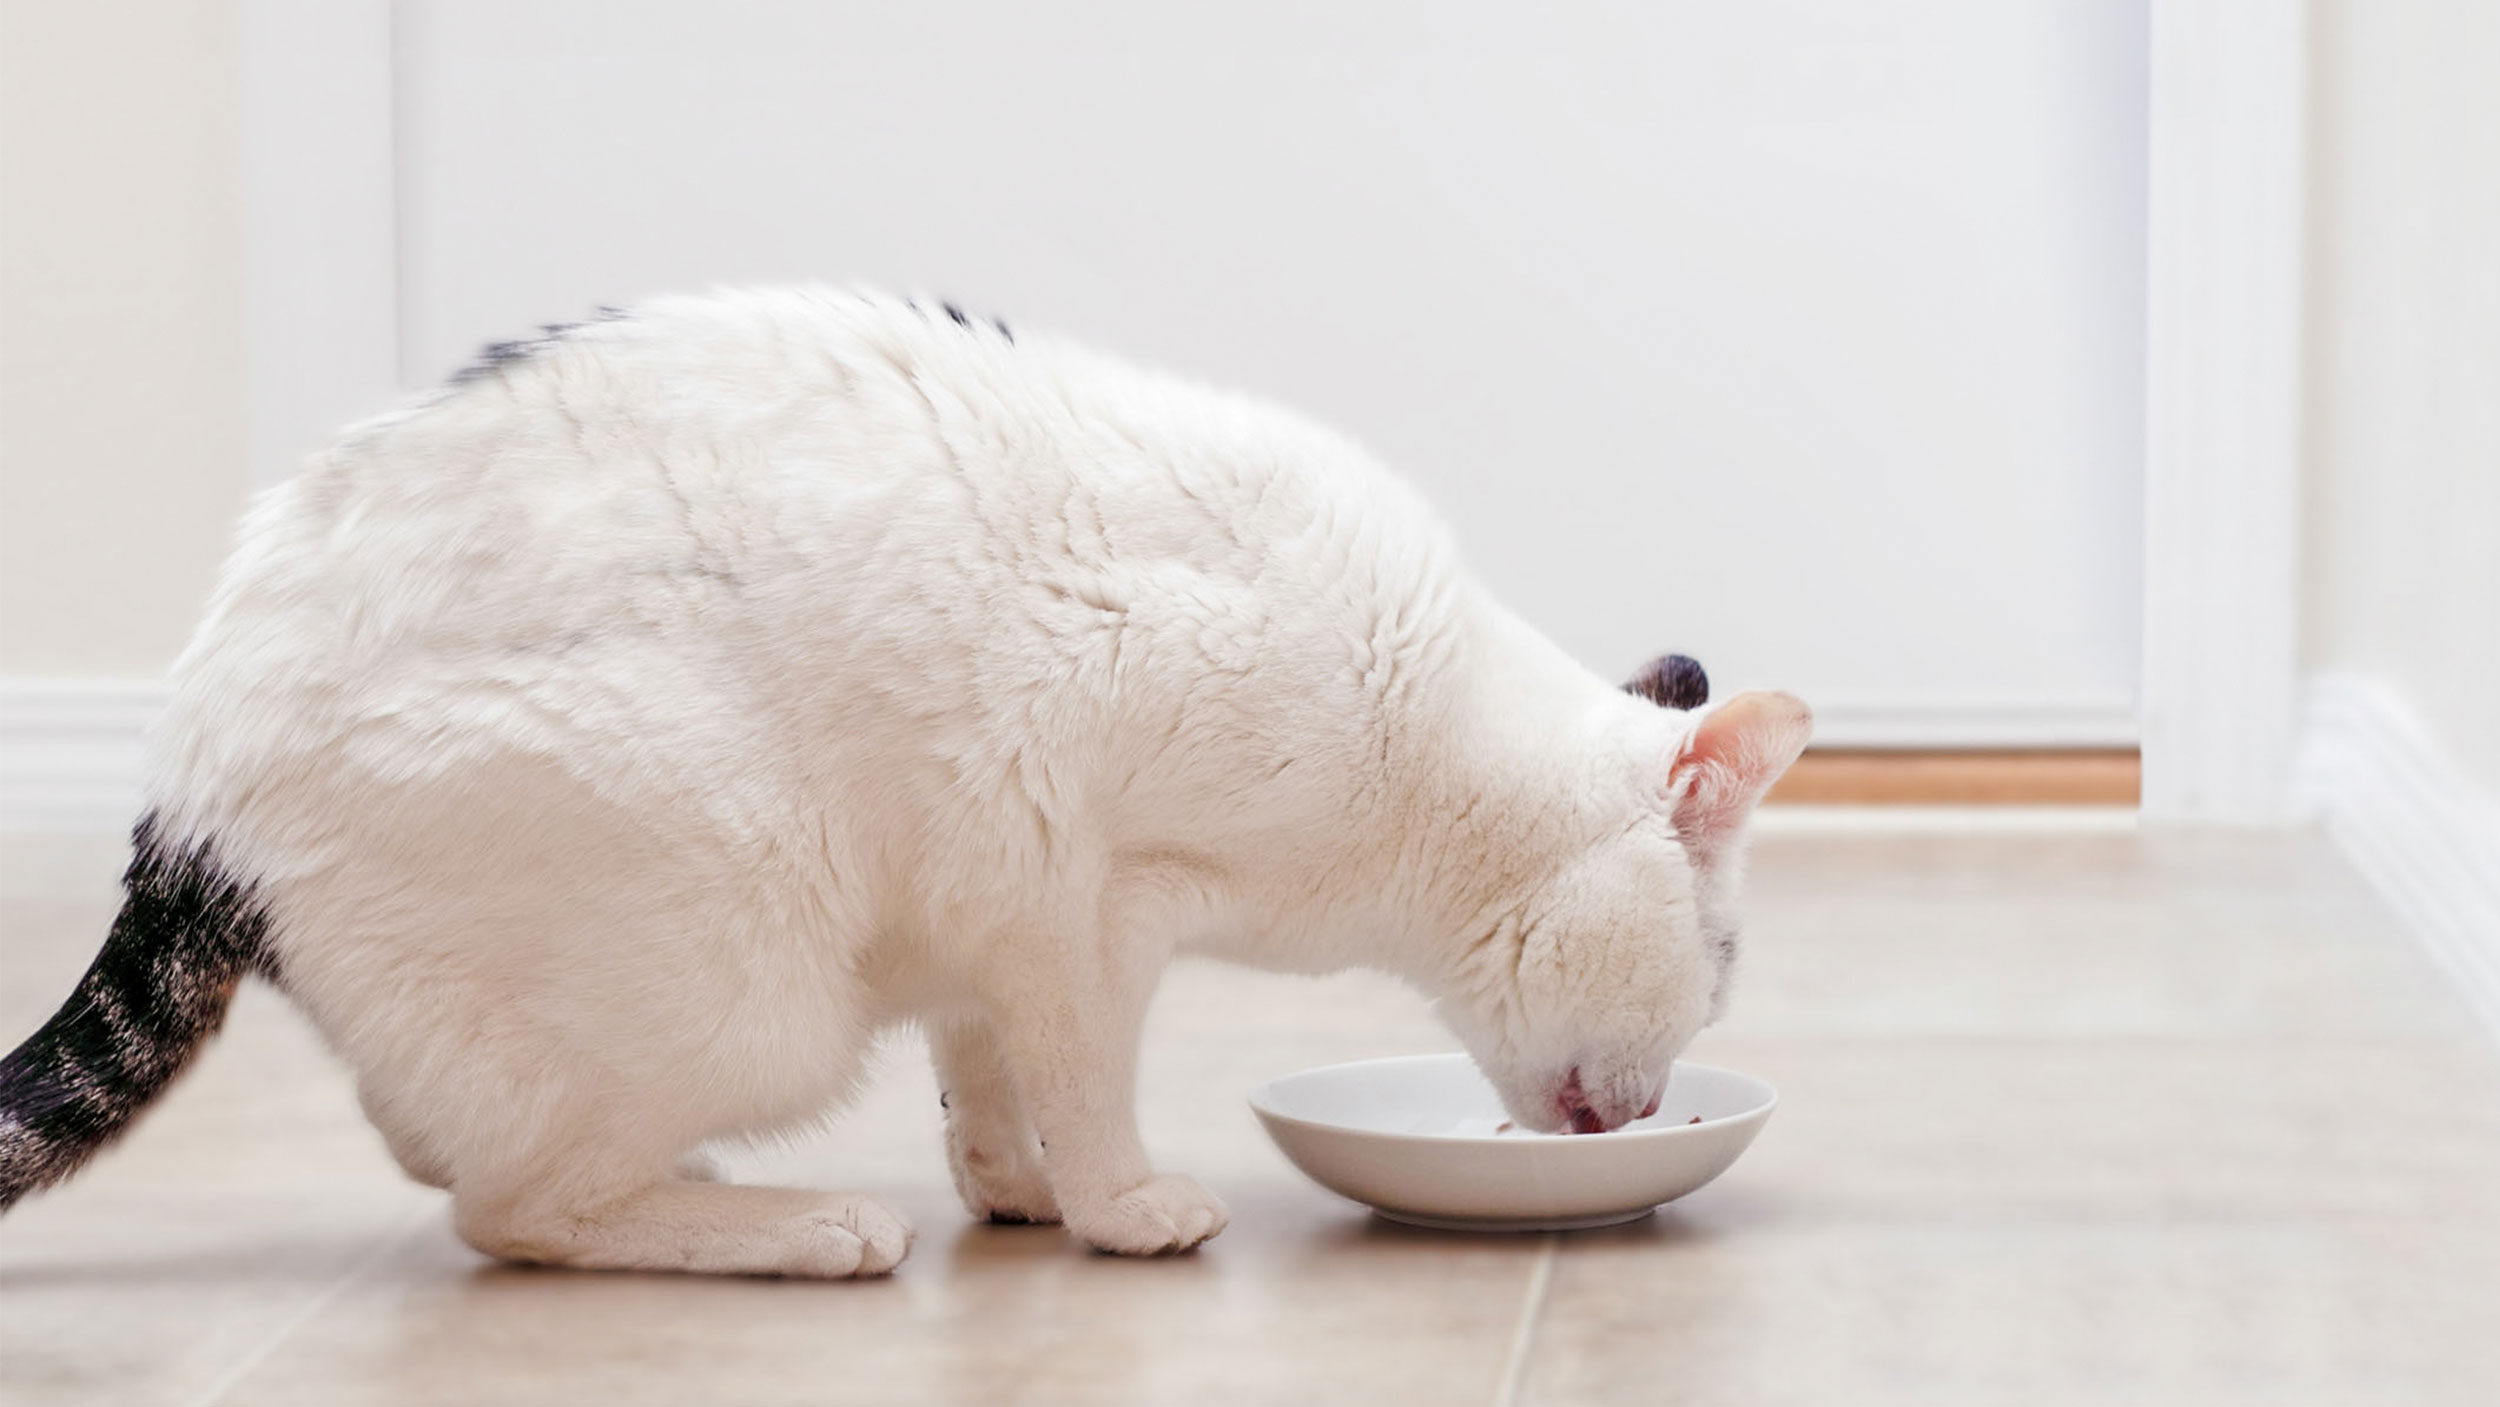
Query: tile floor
{"type": "Point", "coordinates": [2069, 1115]}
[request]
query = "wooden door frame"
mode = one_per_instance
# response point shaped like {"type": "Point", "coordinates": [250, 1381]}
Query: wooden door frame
{"type": "Point", "coordinates": [2224, 223]}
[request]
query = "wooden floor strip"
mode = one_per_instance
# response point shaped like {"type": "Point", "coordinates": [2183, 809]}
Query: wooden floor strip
{"type": "Point", "coordinates": [1886, 777]}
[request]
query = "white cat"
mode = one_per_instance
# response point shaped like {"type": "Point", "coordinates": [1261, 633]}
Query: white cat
{"type": "Point", "coordinates": [605, 749]}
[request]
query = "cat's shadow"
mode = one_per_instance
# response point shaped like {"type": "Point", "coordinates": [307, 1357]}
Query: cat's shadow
{"type": "Point", "coordinates": [989, 1248]}
{"type": "Point", "coordinates": [313, 1262]}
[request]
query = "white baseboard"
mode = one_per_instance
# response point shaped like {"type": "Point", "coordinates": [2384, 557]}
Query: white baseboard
{"type": "Point", "coordinates": [2409, 820]}
{"type": "Point", "coordinates": [1975, 723]}
{"type": "Point", "coordinates": [71, 751]}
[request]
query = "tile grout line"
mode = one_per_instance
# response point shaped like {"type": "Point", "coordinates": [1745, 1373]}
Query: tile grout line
{"type": "Point", "coordinates": [1523, 1334]}
{"type": "Point", "coordinates": [373, 1255]}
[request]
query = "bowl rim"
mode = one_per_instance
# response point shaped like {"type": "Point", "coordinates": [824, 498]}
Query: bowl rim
{"type": "Point", "coordinates": [1262, 1104]}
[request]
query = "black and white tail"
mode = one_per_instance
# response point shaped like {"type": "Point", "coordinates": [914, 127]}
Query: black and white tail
{"type": "Point", "coordinates": [186, 935]}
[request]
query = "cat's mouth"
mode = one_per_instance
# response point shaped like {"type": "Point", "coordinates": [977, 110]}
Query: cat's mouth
{"type": "Point", "coordinates": [1581, 1116]}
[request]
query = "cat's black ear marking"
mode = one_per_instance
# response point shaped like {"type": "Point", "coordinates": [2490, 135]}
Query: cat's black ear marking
{"type": "Point", "coordinates": [1672, 681]}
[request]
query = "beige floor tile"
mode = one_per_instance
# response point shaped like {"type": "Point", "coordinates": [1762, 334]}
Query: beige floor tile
{"type": "Point", "coordinates": [2090, 934]}
{"type": "Point", "coordinates": [1933, 1128]}
{"type": "Point", "coordinates": [1738, 1308]}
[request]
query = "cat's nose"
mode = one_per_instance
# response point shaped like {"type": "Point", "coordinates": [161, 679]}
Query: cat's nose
{"type": "Point", "coordinates": [1578, 1112]}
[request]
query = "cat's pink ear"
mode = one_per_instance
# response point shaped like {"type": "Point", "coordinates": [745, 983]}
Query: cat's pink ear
{"type": "Point", "coordinates": [1734, 754]}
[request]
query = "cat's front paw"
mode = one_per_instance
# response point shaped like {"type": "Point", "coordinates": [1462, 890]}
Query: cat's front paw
{"type": "Point", "coordinates": [1008, 1190]}
{"type": "Point", "coordinates": [1157, 1217]}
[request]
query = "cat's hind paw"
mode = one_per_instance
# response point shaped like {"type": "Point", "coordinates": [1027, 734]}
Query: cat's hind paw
{"type": "Point", "coordinates": [850, 1236]}
{"type": "Point", "coordinates": [1158, 1217]}
{"type": "Point", "coordinates": [707, 1227]}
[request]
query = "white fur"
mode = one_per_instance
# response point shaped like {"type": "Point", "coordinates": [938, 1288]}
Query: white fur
{"type": "Point", "coordinates": [622, 738]}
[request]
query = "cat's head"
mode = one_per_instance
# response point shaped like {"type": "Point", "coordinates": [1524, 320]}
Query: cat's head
{"type": "Point", "coordinates": [1614, 962]}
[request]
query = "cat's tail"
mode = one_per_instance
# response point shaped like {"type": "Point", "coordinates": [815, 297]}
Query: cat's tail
{"type": "Point", "coordinates": [186, 935]}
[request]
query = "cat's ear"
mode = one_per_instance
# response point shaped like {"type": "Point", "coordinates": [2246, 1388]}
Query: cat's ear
{"type": "Point", "coordinates": [1671, 681]}
{"type": "Point", "coordinates": [1736, 751]}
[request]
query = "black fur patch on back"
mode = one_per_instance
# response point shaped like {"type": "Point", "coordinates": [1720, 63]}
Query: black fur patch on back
{"type": "Point", "coordinates": [1672, 681]}
{"type": "Point", "coordinates": [187, 933]}
{"type": "Point", "coordinates": [495, 356]}
{"type": "Point", "coordinates": [970, 322]}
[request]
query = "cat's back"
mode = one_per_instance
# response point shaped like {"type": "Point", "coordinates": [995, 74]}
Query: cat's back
{"type": "Point", "coordinates": [692, 447]}
{"type": "Point", "coordinates": [709, 523]}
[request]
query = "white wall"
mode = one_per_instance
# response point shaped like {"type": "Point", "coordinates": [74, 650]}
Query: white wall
{"type": "Point", "coordinates": [122, 389]}
{"type": "Point", "coordinates": [319, 173]}
{"type": "Point", "coordinates": [1805, 337]}
{"type": "Point", "coordinates": [2403, 501]}
{"type": "Point", "coordinates": [2402, 570]}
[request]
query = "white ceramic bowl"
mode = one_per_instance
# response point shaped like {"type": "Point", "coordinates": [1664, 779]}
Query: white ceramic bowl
{"type": "Point", "coordinates": [1420, 1139]}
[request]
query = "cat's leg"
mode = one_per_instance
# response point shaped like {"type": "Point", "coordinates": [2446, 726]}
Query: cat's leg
{"type": "Point", "coordinates": [551, 999]}
{"type": "Point", "coordinates": [1070, 1040]}
{"type": "Point", "coordinates": [675, 1224]}
{"type": "Point", "coordinates": [563, 1166]}
{"type": "Point", "coordinates": [989, 1143]}
{"type": "Point", "coordinates": [558, 1162]}
{"type": "Point", "coordinates": [563, 1172]}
